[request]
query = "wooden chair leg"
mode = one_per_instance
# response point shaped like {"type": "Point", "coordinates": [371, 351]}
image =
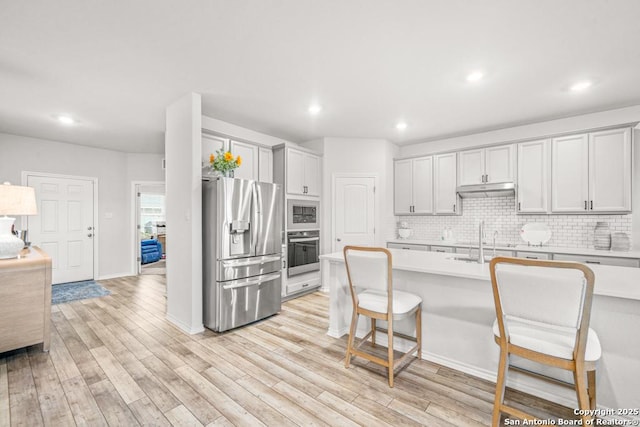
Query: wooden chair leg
{"type": "Point", "coordinates": [581, 392]}
{"type": "Point", "coordinates": [503, 368]}
{"type": "Point", "coordinates": [373, 332]}
{"type": "Point", "coordinates": [390, 350]}
{"type": "Point", "coordinates": [419, 330]}
{"type": "Point", "coordinates": [591, 384]}
{"type": "Point", "coordinates": [351, 339]}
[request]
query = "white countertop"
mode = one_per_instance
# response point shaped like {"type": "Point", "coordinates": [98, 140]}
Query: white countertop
{"type": "Point", "coordinates": [523, 247]}
{"type": "Point", "coordinates": [620, 282]}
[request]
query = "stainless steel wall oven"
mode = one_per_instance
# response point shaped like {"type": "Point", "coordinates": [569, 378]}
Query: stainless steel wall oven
{"type": "Point", "coordinates": [303, 251]}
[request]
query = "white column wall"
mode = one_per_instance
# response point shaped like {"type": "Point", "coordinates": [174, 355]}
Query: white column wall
{"type": "Point", "coordinates": [183, 146]}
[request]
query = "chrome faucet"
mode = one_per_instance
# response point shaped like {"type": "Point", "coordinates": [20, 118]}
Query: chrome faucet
{"type": "Point", "coordinates": [495, 235]}
{"type": "Point", "coordinates": [481, 243]}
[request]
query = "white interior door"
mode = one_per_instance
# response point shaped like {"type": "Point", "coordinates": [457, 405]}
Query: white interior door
{"type": "Point", "coordinates": [64, 225]}
{"type": "Point", "coordinates": [354, 212]}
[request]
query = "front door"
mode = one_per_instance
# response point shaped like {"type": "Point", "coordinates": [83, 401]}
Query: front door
{"type": "Point", "coordinates": [64, 226]}
{"type": "Point", "coordinates": [354, 211]}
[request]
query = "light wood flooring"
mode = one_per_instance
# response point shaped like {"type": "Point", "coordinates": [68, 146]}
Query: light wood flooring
{"type": "Point", "coordinates": [116, 361]}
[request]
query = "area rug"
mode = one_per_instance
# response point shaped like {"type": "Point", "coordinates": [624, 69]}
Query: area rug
{"type": "Point", "coordinates": [67, 292]}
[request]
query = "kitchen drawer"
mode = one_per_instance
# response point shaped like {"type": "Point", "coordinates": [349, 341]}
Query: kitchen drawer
{"type": "Point", "coordinates": [620, 262]}
{"type": "Point", "coordinates": [304, 285]}
{"type": "Point", "coordinates": [533, 255]}
{"type": "Point", "coordinates": [447, 249]}
{"type": "Point", "coordinates": [410, 246]}
{"type": "Point", "coordinates": [487, 252]}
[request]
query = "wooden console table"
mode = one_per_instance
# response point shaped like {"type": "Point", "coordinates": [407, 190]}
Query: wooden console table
{"type": "Point", "coordinates": [25, 300]}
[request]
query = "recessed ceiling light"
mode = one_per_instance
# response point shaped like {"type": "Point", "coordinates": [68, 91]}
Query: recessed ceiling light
{"type": "Point", "coordinates": [66, 120]}
{"type": "Point", "coordinates": [314, 109]}
{"type": "Point", "coordinates": [401, 126]}
{"type": "Point", "coordinates": [475, 76]}
{"type": "Point", "coordinates": [580, 86]}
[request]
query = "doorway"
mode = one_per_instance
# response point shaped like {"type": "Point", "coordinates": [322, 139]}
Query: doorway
{"type": "Point", "coordinates": [354, 210]}
{"type": "Point", "coordinates": [65, 225]}
{"type": "Point", "coordinates": [151, 237]}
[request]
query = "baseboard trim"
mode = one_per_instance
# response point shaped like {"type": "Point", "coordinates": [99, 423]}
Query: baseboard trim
{"type": "Point", "coordinates": [198, 329]}
{"type": "Point", "coordinates": [114, 276]}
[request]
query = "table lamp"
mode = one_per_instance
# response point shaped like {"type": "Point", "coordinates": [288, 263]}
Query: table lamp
{"type": "Point", "coordinates": [14, 200]}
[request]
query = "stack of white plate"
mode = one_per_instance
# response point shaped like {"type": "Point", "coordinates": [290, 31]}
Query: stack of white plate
{"type": "Point", "coordinates": [620, 242]}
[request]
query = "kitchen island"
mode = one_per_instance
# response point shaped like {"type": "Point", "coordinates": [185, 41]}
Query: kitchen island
{"type": "Point", "coordinates": [458, 313]}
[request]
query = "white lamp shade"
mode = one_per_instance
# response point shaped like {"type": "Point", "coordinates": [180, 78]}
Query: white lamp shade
{"type": "Point", "coordinates": [17, 200]}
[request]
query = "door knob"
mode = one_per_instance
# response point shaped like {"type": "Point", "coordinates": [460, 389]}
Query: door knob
{"type": "Point", "coordinates": [89, 235]}
{"type": "Point", "coordinates": [338, 240]}
{"type": "Point", "coordinates": [89, 228]}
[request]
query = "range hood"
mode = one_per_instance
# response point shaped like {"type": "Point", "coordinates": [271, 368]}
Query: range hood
{"type": "Point", "coordinates": [487, 190]}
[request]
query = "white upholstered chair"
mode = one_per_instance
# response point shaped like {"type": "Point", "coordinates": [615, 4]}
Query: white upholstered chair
{"type": "Point", "coordinates": [543, 310]}
{"type": "Point", "coordinates": [371, 284]}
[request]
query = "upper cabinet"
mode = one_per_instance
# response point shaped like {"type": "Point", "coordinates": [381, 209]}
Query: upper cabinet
{"type": "Point", "coordinates": [534, 159]}
{"type": "Point", "coordinates": [265, 164]}
{"type": "Point", "coordinates": [248, 168]}
{"type": "Point", "coordinates": [257, 162]}
{"type": "Point", "coordinates": [444, 184]}
{"type": "Point", "coordinates": [484, 165]}
{"type": "Point", "coordinates": [413, 186]}
{"type": "Point", "coordinates": [592, 172]}
{"type": "Point", "coordinates": [303, 173]}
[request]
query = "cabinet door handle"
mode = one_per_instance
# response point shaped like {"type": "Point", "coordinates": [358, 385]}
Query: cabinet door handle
{"type": "Point", "coordinates": [482, 178]}
{"type": "Point", "coordinates": [486, 178]}
{"type": "Point", "coordinates": [592, 262]}
{"type": "Point", "coordinates": [585, 205]}
{"type": "Point", "coordinates": [454, 207]}
{"type": "Point", "coordinates": [592, 205]}
{"type": "Point", "coordinates": [518, 205]}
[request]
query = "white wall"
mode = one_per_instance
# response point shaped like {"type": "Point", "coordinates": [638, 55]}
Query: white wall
{"type": "Point", "coordinates": [536, 130]}
{"type": "Point", "coordinates": [354, 155]}
{"type": "Point", "coordinates": [232, 131]}
{"type": "Point", "coordinates": [183, 148]}
{"type": "Point", "coordinates": [114, 171]}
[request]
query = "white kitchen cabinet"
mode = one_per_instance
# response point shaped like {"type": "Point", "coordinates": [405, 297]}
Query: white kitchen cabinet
{"type": "Point", "coordinates": [444, 184]}
{"type": "Point", "coordinates": [403, 187]}
{"type": "Point", "coordinates": [249, 154]}
{"type": "Point", "coordinates": [570, 173]}
{"type": "Point", "coordinates": [534, 158]}
{"type": "Point", "coordinates": [589, 259]}
{"type": "Point", "coordinates": [533, 255]}
{"type": "Point", "coordinates": [265, 164]}
{"type": "Point", "coordinates": [303, 173]}
{"type": "Point", "coordinates": [408, 246]}
{"type": "Point", "coordinates": [610, 171]}
{"type": "Point", "coordinates": [471, 167]}
{"type": "Point", "coordinates": [210, 145]}
{"type": "Point", "coordinates": [413, 186]}
{"type": "Point", "coordinates": [445, 249]}
{"type": "Point", "coordinates": [491, 164]}
{"type": "Point", "coordinates": [592, 172]}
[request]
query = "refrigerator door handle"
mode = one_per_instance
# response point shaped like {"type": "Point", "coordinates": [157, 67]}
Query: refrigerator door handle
{"type": "Point", "coordinates": [251, 282]}
{"type": "Point", "coordinates": [241, 263]}
{"type": "Point", "coordinates": [305, 239]}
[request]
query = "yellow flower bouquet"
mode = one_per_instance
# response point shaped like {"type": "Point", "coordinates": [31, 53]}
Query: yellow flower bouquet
{"type": "Point", "coordinates": [224, 162]}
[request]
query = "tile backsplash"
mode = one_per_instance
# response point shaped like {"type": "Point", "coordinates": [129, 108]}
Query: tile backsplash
{"type": "Point", "coordinates": [499, 214]}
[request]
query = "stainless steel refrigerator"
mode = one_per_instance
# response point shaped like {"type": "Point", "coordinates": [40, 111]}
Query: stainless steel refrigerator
{"type": "Point", "coordinates": [242, 249]}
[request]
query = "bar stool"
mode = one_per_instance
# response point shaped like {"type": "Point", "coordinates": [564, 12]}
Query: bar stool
{"type": "Point", "coordinates": [543, 310]}
{"type": "Point", "coordinates": [370, 281]}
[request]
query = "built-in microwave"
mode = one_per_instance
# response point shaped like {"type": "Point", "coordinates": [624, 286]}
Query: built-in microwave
{"type": "Point", "coordinates": [303, 215]}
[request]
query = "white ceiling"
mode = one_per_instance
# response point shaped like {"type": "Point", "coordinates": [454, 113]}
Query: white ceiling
{"type": "Point", "coordinates": [116, 65]}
